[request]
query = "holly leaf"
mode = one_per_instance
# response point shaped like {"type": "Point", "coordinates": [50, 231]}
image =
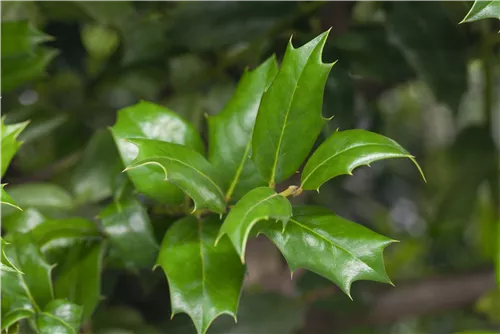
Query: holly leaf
{"type": "Point", "coordinates": [10, 145]}
{"type": "Point", "coordinates": [259, 204]}
{"type": "Point", "coordinates": [59, 232]}
{"type": "Point", "coordinates": [345, 150]}
{"type": "Point", "coordinates": [59, 316]}
{"type": "Point", "coordinates": [230, 132]}
{"type": "Point", "coordinates": [7, 200]}
{"type": "Point", "coordinates": [129, 231]}
{"type": "Point", "coordinates": [289, 118]}
{"type": "Point", "coordinates": [150, 121]}
{"type": "Point", "coordinates": [79, 276]}
{"type": "Point", "coordinates": [184, 167]}
{"type": "Point", "coordinates": [205, 281]}
{"type": "Point", "coordinates": [22, 221]}
{"type": "Point", "coordinates": [332, 247]}
{"type": "Point", "coordinates": [5, 262]}
{"type": "Point", "coordinates": [16, 300]}
{"type": "Point", "coordinates": [483, 10]}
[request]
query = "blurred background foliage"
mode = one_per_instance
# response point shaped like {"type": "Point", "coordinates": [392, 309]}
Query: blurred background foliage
{"type": "Point", "coordinates": [407, 70]}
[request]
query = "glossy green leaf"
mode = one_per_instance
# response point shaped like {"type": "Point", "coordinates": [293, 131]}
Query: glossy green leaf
{"type": "Point", "coordinates": [204, 280]}
{"type": "Point", "coordinates": [150, 121]}
{"type": "Point", "coordinates": [7, 200]}
{"type": "Point", "coordinates": [36, 277]}
{"type": "Point", "coordinates": [64, 231]}
{"type": "Point", "coordinates": [19, 38]}
{"type": "Point", "coordinates": [259, 204]}
{"type": "Point", "coordinates": [289, 118]}
{"type": "Point", "coordinates": [22, 221]}
{"type": "Point", "coordinates": [61, 317]}
{"type": "Point", "coordinates": [79, 278]}
{"type": "Point", "coordinates": [184, 167]}
{"type": "Point", "coordinates": [10, 145]}
{"type": "Point", "coordinates": [5, 263]}
{"type": "Point", "coordinates": [16, 300]}
{"type": "Point", "coordinates": [483, 10]}
{"type": "Point", "coordinates": [345, 150]}
{"type": "Point", "coordinates": [332, 247]}
{"type": "Point", "coordinates": [129, 231]}
{"type": "Point", "coordinates": [93, 178]}
{"type": "Point", "coordinates": [230, 132]}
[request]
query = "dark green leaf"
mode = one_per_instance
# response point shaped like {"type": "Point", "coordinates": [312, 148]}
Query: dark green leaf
{"type": "Point", "coordinates": [23, 221]}
{"type": "Point", "coordinates": [16, 299]}
{"type": "Point", "coordinates": [205, 281]}
{"type": "Point", "coordinates": [128, 228]}
{"type": "Point", "coordinates": [332, 247]}
{"type": "Point", "coordinates": [7, 200]}
{"type": "Point", "coordinates": [151, 121]}
{"type": "Point", "coordinates": [19, 38]}
{"type": "Point", "coordinates": [184, 167]}
{"type": "Point", "coordinates": [259, 204]}
{"type": "Point", "coordinates": [483, 10]}
{"type": "Point", "coordinates": [61, 317]}
{"type": "Point", "coordinates": [64, 232]}
{"type": "Point", "coordinates": [10, 145]}
{"type": "Point", "coordinates": [345, 150]}
{"type": "Point", "coordinates": [289, 118]}
{"type": "Point", "coordinates": [79, 280]}
{"type": "Point", "coordinates": [230, 132]}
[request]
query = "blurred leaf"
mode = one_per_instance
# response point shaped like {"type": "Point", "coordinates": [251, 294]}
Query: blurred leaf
{"type": "Point", "coordinates": [230, 132]}
{"type": "Point", "coordinates": [5, 263]}
{"type": "Point", "coordinates": [120, 320]}
{"type": "Point", "coordinates": [483, 10]}
{"type": "Point", "coordinates": [7, 200]}
{"type": "Point", "coordinates": [332, 247]}
{"type": "Point", "coordinates": [79, 278]}
{"type": "Point", "coordinates": [93, 177]}
{"type": "Point", "coordinates": [64, 231]}
{"type": "Point", "coordinates": [99, 41]}
{"type": "Point", "coordinates": [184, 167]}
{"type": "Point", "coordinates": [19, 38]}
{"type": "Point", "coordinates": [433, 46]}
{"type": "Point", "coordinates": [40, 127]}
{"type": "Point", "coordinates": [291, 109]}
{"type": "Point", "coordinates": [343, 151]}
{"type": "Point", "coordinates": [16, 299]}
{"type": "Point", "coordinates": [148, 120]}
{"type": "Point", "coordinates": [489, 304]}
{"type": "Point", "coordinates": [259, 204]}
{"type": "Point", "coordinates": [205, 281]}
{"type": "Point", "coordinates": [127, 225]}
{"type": "Point", "coordinates": [61, 317]}
{"type": "Point", "coordinates": [23, 221]}
{"type": "Point", "coordinates": [10, 145]}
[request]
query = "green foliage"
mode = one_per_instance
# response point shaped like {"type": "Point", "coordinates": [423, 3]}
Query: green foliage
{"type": "Point", "coordinates": [483, 10]}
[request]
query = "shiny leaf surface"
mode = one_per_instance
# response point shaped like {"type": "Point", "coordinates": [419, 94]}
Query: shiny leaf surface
{"type": "Point", "coordinates": [483, 10]}
{"type": "Point", "coordinates": [205, 281]}
{"type": "Point", "coordinates": [151, 121]}
{"type": "Point", "coordinates": [64, 231]}
{"type": "Point", "coordinates": [9, 143]}
{"type": "Point", "coordinates": [230, 132]}
{"type": "Point", "coordinates": [289, 118]}
{"type": "Point", "coordinates": [184, 167]}
{"type": "Point", "coordinates": [345, 150]}
{"type": "Point", "coordinates": [7, 200]}
{"type": "Point", "coordinates": [22, 221]}
{"type": "Point", "coordinates": [259, 204]}
{"type": "Point", "coordinates": [61, 317]}
{"type": "Point", "coordinates": [129, 231]}
{"type": "Point", "coordinates": [333, 247]}
{"type": "Point", "coordinates": [5, 263]}
{"type": "Point", "coordinates": [16, 301]}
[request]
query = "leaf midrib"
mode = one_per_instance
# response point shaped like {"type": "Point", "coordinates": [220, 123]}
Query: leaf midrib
{"type": "Point", "coordinates": [203, 278]}
{"type": "Point", "coordinates": [341, 152]}
{"type": "Point", "coordinates": [239, 170]}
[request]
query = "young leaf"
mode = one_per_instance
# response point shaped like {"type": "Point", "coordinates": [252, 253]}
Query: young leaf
{"type": "Point", "coordinates": [150, 121]}
{"type": "Point", "coordinates": [185, 168]}
{"type": "Point", "coordinates": [79, 280]}
{"type": "Point", "coordinates": [128, 228]}
{"type": "Point", "coordinates": [259, 204]}
{"type": "Point", "coordinates": [332, 247]}
{"type": "Point", "coordinates": [230, 132]}
{"type": "Point", "coordinates": [59, 316]}
{"type": "Point", "coordinates": [7, 200]}
{"type": "Point", "coordinates": [10, 145]}
{"type": "Point", "coordinates": [205, 281]}
{"type": "Point", "coordinates": [289, 118]}
{"type": "Point", "coordinates": [345, 150]}
{"type": "Point", "coordinates": [483, 10]}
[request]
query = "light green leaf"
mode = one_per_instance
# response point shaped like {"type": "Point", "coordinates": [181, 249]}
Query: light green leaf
{"type": "Point", "coordinates": [22, 221]}
{"type": "Point", "coordinates": [150, 121]}
{"type": "Point", "coordinates": [332, 247]}
{"type": "Point", "coordinates": [10, 145]}
{"type": "Point", "coordinates": [205, 281]}
{"type": "Point", "coordinates": [483, 10]}
{"type": "Point", "coordinates": [230, 132]}
{"type": "Point", "coordinates": [19, 38]}
{"type": "Point", "coordinates": [259, 204]}
{"type": "Point", "coordinates": [345, 150]}
{"type": "Point", "coordinates": [99, 41]}
{"type": "Point", "coordinates": [7, 200]}
{"type": "Point", "coordinates": [129, 230]}
{"type": "Point", "coordinates": [79, 280]}
{"type": "Point", "coordinates": [61, 317]}
{"type": "Point", "coordinates": [5, 262]}
{"type": "Point", "coordinates": [184, 167]}
{"type": "Point", "coordinates": [94, 175]}
{"type": "Point", "coordinates": [289, 118]}
{"type": "Point", "coordinates": [17, 303]}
